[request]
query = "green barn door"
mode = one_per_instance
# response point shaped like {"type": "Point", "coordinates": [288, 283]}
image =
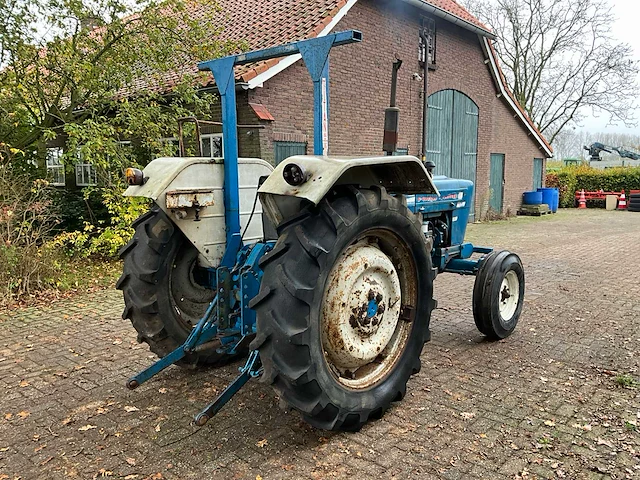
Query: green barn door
{"type": "Point", "coordinates": [452, 135]}
{"type": "Point", "coordinates": [537, 173]}
{"type": "Point", "coordinates": [496, 182]}
{"type": "Point", "coordinates": [439, 122]}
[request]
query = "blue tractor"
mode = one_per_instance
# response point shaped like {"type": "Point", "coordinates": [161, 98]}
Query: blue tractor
{"type": "Point", "coordinates": [320, 270]}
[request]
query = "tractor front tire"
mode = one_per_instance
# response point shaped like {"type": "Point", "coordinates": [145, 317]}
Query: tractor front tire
{"type": "Point", "coordinates": [498, 294]}
{"type": "Point", "coordinates": [162, 295]}
{"type": "Point", "coordinates": [344, 307]}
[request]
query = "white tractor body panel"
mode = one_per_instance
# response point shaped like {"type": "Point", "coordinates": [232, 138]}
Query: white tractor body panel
{"type": "Point", "coordinates": [400, 174]}
{"type": "Point", "coordinates": [190, 191]}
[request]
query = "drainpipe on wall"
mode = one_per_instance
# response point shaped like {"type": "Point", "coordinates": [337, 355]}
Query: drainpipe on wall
{"type": "Point", "coordinates": [425, 103]}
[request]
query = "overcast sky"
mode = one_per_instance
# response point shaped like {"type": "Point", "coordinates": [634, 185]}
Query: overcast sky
{"type": "Point", "coordinates": [627, 29]}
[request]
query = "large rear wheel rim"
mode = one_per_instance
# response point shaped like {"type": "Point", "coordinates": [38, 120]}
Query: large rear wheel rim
{"type": "Point", "coordinates": [189, 298]}
{"type": "Point", "coordinates": [366, 312]}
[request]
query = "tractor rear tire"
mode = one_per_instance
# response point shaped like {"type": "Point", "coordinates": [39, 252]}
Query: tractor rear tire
{"type": "Point", "coordinates": [344, 307]}
{"type": "Point", "coordinates": [162, 297]}
{"type": "Point", "coordinates": [498, 294]}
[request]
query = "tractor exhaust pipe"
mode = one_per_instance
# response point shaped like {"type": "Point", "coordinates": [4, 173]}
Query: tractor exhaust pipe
{"type": "Point", "coordinates": [392, 114]}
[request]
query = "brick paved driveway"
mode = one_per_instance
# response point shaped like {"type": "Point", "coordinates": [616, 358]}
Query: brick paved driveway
{"type": "Point", "coordinates": [547, 402]}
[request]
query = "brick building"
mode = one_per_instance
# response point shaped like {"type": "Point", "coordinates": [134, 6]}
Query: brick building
{"type": "Point", "coordinates": [475, 128]}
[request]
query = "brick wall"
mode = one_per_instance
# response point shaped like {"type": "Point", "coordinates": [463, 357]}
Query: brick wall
{"type": "Point", "coordinates": [250, 140]}
{"type": "Point", "coordinates": [360, 76]}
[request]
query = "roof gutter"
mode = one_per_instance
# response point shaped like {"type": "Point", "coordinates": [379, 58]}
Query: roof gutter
{"type": "Point", "coordinates": [449, 17]}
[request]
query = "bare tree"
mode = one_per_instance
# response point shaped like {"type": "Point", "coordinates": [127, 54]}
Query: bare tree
{"type": "Point", "coordinates": [561, 59]}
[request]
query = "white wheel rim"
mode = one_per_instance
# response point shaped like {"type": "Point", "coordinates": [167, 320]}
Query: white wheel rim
{"type": "Point", "coordinates": [509, 295]}
{"type": "Point", "coordinates": [362, 333]}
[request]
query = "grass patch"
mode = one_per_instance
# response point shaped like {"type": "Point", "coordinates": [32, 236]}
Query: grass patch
{"type": "Point", "coordinates": [626, 381]}
{"type": "Point", "coordinates": [73, 276]}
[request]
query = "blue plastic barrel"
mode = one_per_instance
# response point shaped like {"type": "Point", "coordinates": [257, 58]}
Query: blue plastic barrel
{"type": "Point", "coordinates": [550, 196]}
{"type": "Point", "coordinates": [532, 198]}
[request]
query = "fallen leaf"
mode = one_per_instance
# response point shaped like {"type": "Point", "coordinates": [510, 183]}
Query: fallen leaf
{"type": "Point", "coordinates": [23, 414]}
{"type": "Point", "coordinates": [262, 443]}
{"type": "Point", "coordinates": [601, 441]}
{"type": "Point", "coordinates": [103, 473]}
{"type": "Point", "coordinates": [162, 390]}
{"type": "Point", "coordinates": [87, 427]}
{"type": "Point", "coordinates": [157, 429]}
{"type": "Point", "coordinates": [129, 408]}
{"type": "Point", "coordinates": [8, 416]}
{"type": "Point", "coordinates": [550, 423]}
{"type": "Point", "coordinates": [586, 428]}
{"type": "Point", "coordinates": [258, 477]}
{"type": "Point", "coordinates": [4, 449]}
{"type": "Point", "coordinates": [24, 383]}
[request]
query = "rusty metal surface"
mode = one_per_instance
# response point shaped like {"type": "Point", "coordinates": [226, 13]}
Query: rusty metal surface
{"type": "Point", "coordinates": [354, 332]}
{"type": "Point", "coordinates": [189, 198]}
{"type": "Point", "coordinates": [362, 335]}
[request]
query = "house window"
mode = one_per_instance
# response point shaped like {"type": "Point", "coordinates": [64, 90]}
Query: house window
{"type": "Point", "coordinates": [55, 168]}
{"type": "Point", "coordinates": [86, 174]}
{"type": "Point", "coordinates": [288, 149]}
{"type": "Point", "coordinates": [428, 27]}
{"type": "Point", "coordinates": [211, 145]}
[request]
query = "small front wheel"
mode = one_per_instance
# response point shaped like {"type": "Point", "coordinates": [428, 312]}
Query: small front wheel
{"type": "Point", "coordinates": [498, 294]}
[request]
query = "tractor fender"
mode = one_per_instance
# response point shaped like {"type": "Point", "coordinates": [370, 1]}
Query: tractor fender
{"type": "Point", "coordinates": [403, 174]}
{"type": "Point", "coordinates": [191, 192]}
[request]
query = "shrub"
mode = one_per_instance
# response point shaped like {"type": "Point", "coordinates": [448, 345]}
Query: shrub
{"type": "Point", "coordinates": [104, 238]}
{"type": "Point", "coordinates": [573, 178]}
{"type": "Point", "coordinates": [27, 221]}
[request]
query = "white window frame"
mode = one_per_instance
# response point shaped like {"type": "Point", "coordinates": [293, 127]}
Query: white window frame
{"type": "Point", "coordinates": [208, 137]}
{"type": "Point", "coordinates": [90, 172]}
{"type": "Point", "coordinates": [55, 169]}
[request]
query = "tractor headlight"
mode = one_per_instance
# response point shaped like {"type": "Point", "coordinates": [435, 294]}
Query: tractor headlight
{"type": "Point", "coordinates": [294, 174]}
{"type": "Point", "coordinates": [134, 176]}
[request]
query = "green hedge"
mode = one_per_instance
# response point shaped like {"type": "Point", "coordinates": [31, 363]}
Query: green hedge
{"type": "Point", "coordinates": [570, 179]}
